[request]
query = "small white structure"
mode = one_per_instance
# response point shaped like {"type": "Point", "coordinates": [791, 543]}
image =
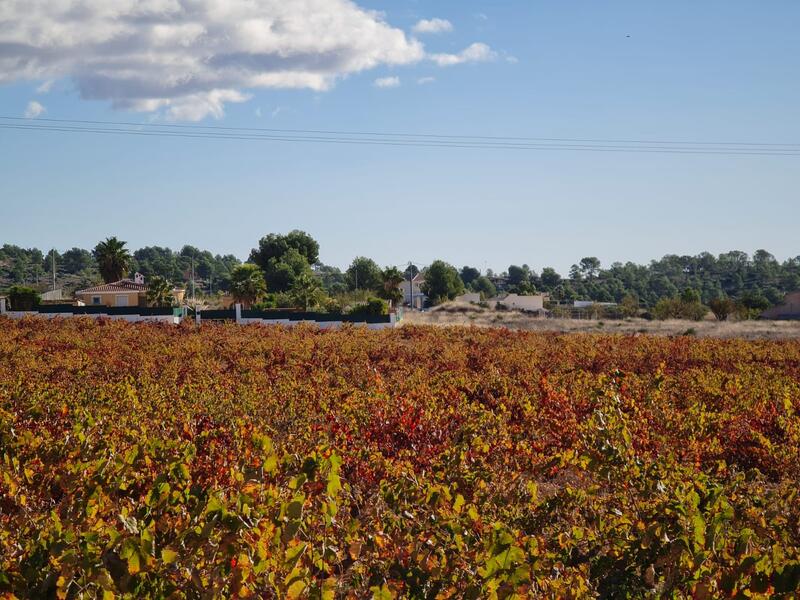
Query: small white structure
{"type": "Point", "coordinates": [412, 292]}
{"type": "Point", "coordinates": [52, 295]}
{"type": "Point", "coordinates": [516, 302]}
{"type": "Point", "coordinates": [591, 303]}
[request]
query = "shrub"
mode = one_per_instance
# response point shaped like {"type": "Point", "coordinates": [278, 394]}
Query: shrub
{"type": "Point", "coordinates": [23, 298]}
{"type": "Point", "coordinates": [722, 308]}
{"type": "Point", "coordinates": [372, 307]}
{"type": "Point", "coordinates": [679, 308]}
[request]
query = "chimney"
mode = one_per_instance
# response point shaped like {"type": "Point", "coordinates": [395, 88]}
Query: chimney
{"type": "Point", "coordinates": [138, 278]}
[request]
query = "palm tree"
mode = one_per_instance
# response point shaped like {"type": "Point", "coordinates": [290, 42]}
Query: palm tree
{"type": "Point", "coordinates": [113, 259]}
{"type": "Point", "coordinates": [392, 278]}
{"type": "Point", "coordinates": [306, 291]}
{"type": "Point", "coordinates": [247, 284]}
{"type": "Point", "coordinates": [159, 293]}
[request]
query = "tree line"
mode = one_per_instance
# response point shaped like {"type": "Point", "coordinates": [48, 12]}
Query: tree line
{"type": "Point", "coordinates": [285, 270]}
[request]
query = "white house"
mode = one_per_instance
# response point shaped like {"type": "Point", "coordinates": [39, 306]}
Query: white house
{"type": "Point", "coordinates": [412, 292]}
{"type": "Point", "coordinates": [516, 302]}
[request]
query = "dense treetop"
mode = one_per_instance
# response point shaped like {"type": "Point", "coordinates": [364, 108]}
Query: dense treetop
{"type": "Point", "coordinates": [759, 280]}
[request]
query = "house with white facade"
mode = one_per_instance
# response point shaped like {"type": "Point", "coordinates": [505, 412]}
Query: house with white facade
{"type": "Point", "coordinates": [413, 295]}
{"type": "Point", "coordinates": [534, 303]}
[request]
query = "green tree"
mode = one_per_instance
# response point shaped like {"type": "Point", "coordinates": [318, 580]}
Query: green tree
{"type": "Point", "coordinates": [364, 274]}
{"type": "Point", "coordinates": [484, 287]}
{"type": "Point", "coordinates": [411, 271]}
{"type": "Point", "coordinates": [629, 307]}
{"type": "Point", "coordinates": [589, 266]}
{"type": "Point", "coordinates": [442, 282]}
{"type": "Point", "coordinates": [159, 292]}
{"type": "Point", "coordinates": [690, 296]}
{"type": "Point", "coordinates": [392, 278]}
{"type": "Point", "coordinates": [281, 272]}
{"type": "Point", "coordinates": [469, 275]}
{"type": "Point", "coordinates": [550, 279]}
{"type": "Point", "coordinates": [23, 298]}
{"type": "Point", "coordinates": [283, 258]}
{"type": "Point", "coordinates": [276, 245]}
{"type": "Point", "coordinates": [113, 259]}
{"type": "Point", "coordinates": [306, 291]}
{"type": "Point", "coordinates": [679, 308]}
{"type": "Point", "coordinates": [247, 284]}
{"type": "Point", "coordinates": [332, 279]}
{"type": "Point", "coordinates": [75, 260]}
{"type": "Point", "coordinates": [519, 277]}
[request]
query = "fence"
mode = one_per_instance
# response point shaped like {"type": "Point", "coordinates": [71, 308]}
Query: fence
{"type": "Point", "coordinates": [176, 315]}
{"type": "Point", "coordinates": [288, 317]}
{"type": "Point", "coordinates": [124, 313]}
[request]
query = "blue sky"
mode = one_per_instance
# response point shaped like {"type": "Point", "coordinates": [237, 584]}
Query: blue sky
{"type": "Point", "coordinates": [719, 71]}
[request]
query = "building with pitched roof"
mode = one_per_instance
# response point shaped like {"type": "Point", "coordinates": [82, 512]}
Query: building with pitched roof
{"type": "Point", "coordinates": [789, 309]}
{"type": "Point", "coordinates": [125, 292]}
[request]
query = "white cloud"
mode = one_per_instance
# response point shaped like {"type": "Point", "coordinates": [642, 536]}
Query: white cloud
{"type": "Point", "coordinates": [191, 57]}
{"type": "Point", "coordinates": [34, 109]}
{"type": "Point", "coordinates": [482, 16]}
{"type": "Point", "coordinates": [433, 26]}
{"type": "Point", "coordinates": [425, 80]}
{"type": "Point", "coordinates": [476, 52]}
{"type": "Point", "coordinates": [387, 82]}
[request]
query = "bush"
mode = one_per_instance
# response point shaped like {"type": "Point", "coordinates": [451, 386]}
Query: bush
{"type": "Point", "coordinates": [679, 308]}
{"type": "Point", "coordinates": [23, 298]}
{"type": "Point", "coordinates": [372, 307]}
{"type": "Point", "coordinates": [722, 308]}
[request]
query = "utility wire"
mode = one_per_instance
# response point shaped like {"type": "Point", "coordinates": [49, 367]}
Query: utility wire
{"type": "Point", "coordinates": [390, 134]}
{"type": "Point", "coordinates": [222, 133]}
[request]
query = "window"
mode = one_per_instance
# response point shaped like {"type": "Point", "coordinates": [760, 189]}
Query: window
{"type": "Point", "coordinates": [97, 300]}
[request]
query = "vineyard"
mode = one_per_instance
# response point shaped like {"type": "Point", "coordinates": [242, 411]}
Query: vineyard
{"type": "Point", "coordinates": [224, 461]}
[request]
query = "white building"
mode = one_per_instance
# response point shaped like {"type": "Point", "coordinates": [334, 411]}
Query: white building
{"type": "Point", "coordinates": [591, 303]}
{"type": "Point", "coordinates": [516, 302]}
{"type": "Point", "coordinates": [412, 292]}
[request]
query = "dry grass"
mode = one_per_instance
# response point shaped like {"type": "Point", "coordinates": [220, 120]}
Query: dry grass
{"type": "Point", "coordinates": [471, 315]}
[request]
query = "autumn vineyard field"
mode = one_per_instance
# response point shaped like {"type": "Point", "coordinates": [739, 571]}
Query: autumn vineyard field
{"type": "Point", "coordinates": [225, 461]}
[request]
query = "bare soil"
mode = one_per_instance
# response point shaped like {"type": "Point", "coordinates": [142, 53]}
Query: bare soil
{"type": "Point", "coordinates": [472, 315]}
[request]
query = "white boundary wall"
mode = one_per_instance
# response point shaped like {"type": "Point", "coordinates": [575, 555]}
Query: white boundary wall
{"type": "Point", "coordinates": [173, 320]}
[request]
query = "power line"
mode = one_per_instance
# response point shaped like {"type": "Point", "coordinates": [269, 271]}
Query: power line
{"type": "Point", "coordinates": [394, 134]}
{"type": "Point", "coordinates": [203, 132]}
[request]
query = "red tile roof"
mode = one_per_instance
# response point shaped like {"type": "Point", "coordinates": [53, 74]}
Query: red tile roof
{"type": "Point", "coordinates": [123, 285]}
